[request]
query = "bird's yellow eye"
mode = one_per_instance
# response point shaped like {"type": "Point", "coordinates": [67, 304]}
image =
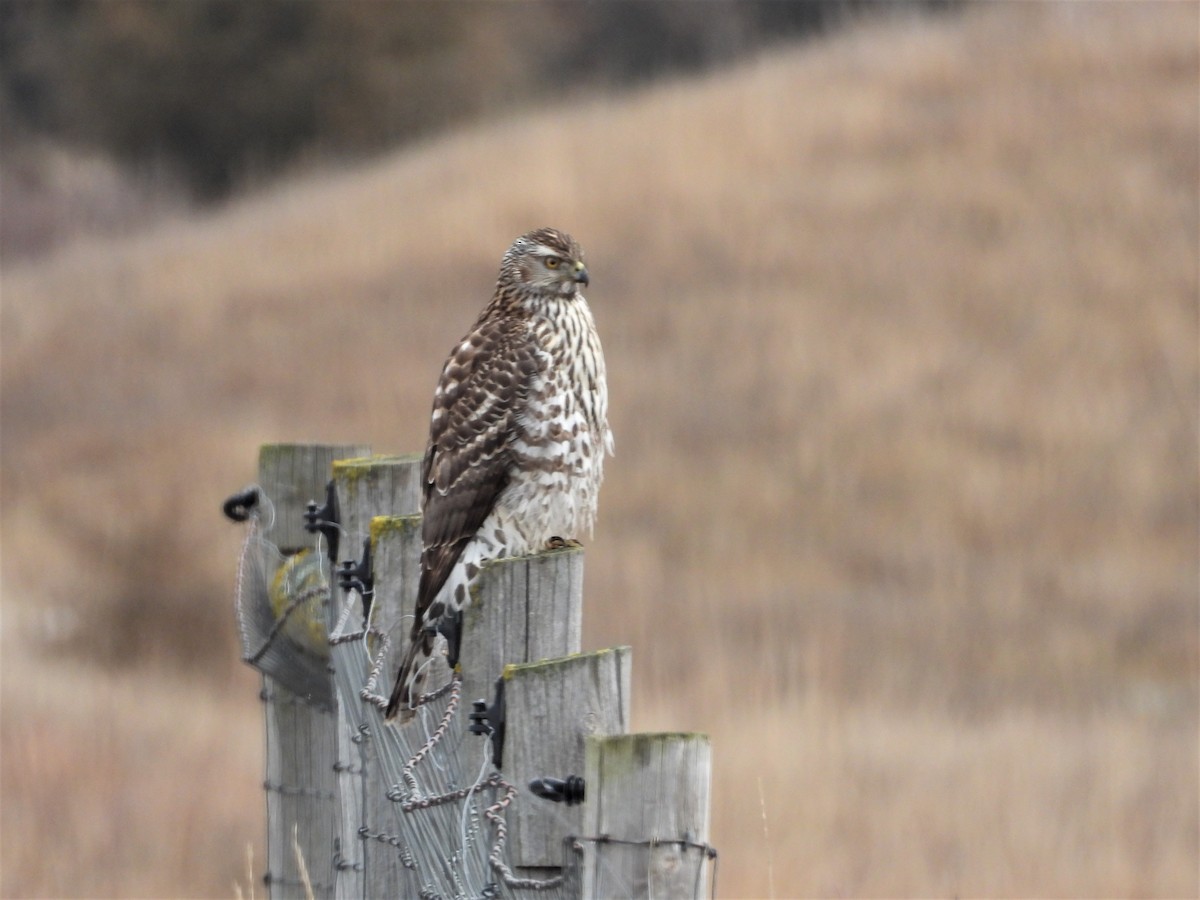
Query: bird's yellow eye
{"type": "Point", "coordinates": [552, 262]}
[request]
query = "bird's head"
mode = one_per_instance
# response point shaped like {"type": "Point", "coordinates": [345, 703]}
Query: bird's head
{"type": "Point", "coordinates": [547, 261]}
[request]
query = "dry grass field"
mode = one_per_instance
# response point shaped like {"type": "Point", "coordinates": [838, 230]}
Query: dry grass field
{"type": "Point", "coordinates": [902, 338]}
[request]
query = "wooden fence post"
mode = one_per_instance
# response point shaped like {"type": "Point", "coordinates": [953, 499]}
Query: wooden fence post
{"type": "Point", "coordinates": [523, 609]}
{"type": "Point", "coordinates": [554, 705]}
{"type": "Point", "coordinates": [645, 820]}
{"type": "Point", "coordinates": [301, 739]}
{"type": "Point", "coordinates": [385, 810]}
{"type": "Point", "coordinates": [372, 491]}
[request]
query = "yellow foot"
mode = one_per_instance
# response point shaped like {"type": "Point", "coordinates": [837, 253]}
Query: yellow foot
{"type": "Point", "coordinates": [557, 543]}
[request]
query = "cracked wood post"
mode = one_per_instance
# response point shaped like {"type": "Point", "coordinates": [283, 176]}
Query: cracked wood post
{"type": "Point", "coordinates": [301, 746]}
{"type": "Point", "coordinates": [552, 706]}
{"type": "Point", "coordinates": [523, 609]}
{"type": "Point", "coordinates": [646, 788]}
{"type": "Point", "coordinates": [372, 492]}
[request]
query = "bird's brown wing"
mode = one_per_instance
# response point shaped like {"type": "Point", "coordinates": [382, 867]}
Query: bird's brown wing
{"type": "Point", "coordinates": [481, 392]}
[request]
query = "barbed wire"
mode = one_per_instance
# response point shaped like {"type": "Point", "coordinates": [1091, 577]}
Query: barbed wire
{"type": "Point", "coordinates": [709, 853]}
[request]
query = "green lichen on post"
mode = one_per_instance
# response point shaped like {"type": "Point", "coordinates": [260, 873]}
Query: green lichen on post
{"type": "Point", "coordinates": [623, 753]}
{"type": "Point", "coordinates": [536, 556]}
{"type": "Point", "coordinates": [298, 592]}
{"type": "Point", "coordinates": [619, 740]}
{"type": "Point", "coordinates": [270, 454]}
{"type": "Point", "coordinates": [473, 614]}
{"type": "Point", "coordinates": [356, 467]}
{"type": "Point", "coordinates": [352, 469]}
{"type": "Point", "coordinates": [381, 526]}
{"type": "Point", "coordinates": [551, 552]}
{"type": "Point", "coordinates": [545, 665]}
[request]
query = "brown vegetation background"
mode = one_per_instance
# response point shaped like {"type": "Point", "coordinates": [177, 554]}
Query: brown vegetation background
{"type": "Point", "coordinates": [902, 338]}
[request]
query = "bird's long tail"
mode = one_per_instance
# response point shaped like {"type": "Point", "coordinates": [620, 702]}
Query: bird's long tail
{"type": "Point", "coordinates": [410, 678]}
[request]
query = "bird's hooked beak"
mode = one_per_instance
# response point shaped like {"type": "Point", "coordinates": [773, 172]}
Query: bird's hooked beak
{"type": "Point", "coordinates": [581, 274]}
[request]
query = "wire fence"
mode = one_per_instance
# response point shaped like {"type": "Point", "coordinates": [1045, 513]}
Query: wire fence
{"type": "Point", "coordinates": [378, 810]}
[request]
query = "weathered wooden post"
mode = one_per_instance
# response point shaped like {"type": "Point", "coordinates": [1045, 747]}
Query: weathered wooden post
{"type": "Point", "coordinates": [646, 816]}
{"type": "Point", "coordinates": [368, 488]}
{"type": "Point", "coordinates": [523, 609]}
{"type": "Point", "coordinates": [554, 706]}
{"type": "Point", "coordinates": [523, 629]}
{"type": "Point", "coordinates": [301, 737]}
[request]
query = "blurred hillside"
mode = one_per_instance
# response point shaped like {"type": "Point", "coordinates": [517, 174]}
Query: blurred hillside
{"type": "Point", "coordinates": [224, 93]}
{"type": "Point", "coordinates": [901, 330]}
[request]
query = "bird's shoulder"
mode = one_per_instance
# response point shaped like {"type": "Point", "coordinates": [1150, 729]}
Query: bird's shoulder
{"type": "Point", "coordinates": [483, 387]}
{"type": "Point", "coordinates": [496, 357]}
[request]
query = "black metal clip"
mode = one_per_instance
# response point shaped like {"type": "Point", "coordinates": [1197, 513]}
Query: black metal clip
{"type": "Point", "coordinates": [238, 507]}
{"type": "Point", "coordinates": [326, 519]}
{"type": "Point", "coordinates": [360, 576]}
{"type": "Point", "coordinates": [569, 791]}
{"type": "Point", "coordinates": [487, 720]}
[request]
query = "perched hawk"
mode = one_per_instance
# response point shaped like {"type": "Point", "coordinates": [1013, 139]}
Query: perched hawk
{"type": "Point", "coordinates": [517, 438]}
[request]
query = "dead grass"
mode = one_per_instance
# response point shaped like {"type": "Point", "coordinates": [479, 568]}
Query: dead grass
{"type": "Point", "coordinates": [125, 784]}
{"type": "Point", "coordinates": [902, 339]}
{"type": "Point", "coordinates": [868, 801]}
